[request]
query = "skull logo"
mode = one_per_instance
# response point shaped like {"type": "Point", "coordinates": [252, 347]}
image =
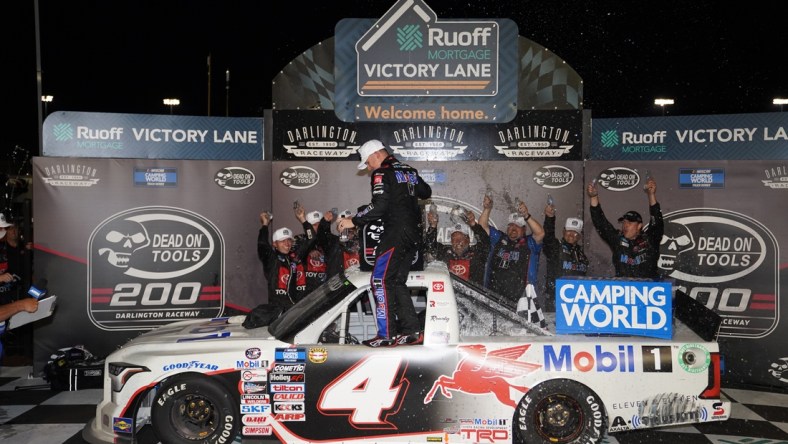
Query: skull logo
{"type": "Point", "coordinates": [677, 239]}
{"type": "Point", "coordinates": [126, 237]}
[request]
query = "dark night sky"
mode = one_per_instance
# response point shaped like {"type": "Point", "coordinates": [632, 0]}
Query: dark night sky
{"type": "Point", "coordinates": [125, 56]}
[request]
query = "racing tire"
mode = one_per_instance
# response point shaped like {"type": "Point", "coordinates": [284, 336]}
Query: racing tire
{"type": "Point", "coordinates": [194, 409]}
{"type": "Point", "coordinates": [560, 411]}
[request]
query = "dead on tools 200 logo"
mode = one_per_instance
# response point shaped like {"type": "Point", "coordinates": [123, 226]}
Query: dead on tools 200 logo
{"type": "Point", "coordinates": [151, 266]}
{"type": "Point", "coordinates": [727, 261]}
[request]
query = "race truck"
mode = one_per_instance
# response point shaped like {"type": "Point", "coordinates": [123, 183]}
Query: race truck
{"type": "Point", "coordinates": [483, 374]}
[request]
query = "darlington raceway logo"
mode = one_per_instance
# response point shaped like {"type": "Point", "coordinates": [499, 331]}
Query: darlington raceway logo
{"type": "Point", "coordinates": [428, 142]}
{"type": "Point", "coordinates": [151, 266]}
{"type": "Point", "coordinates": [618, 179]}
{"type": "Point", "coordinates": [70, 175]}
{"type": "Point", "coordinates": [727, 261]}
{"type": "Point", "coordinates": [299, 177]}
{"type": "Point", "coordinates": [234, 178]}
{"type": "Point", "coordinates": [534, 141]}
{"type": "Point", "coordinates": [776, 177]}
{"type": "Point", "coordinates": [553, 176]}
{"type": "Point", "coordinates": [321, 141]}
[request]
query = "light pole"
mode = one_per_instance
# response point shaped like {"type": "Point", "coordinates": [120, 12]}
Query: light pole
{"type": "Point", "coordinates": [663, 103]}
{"type": "Point", "coordinates": [227, 95]}
{"type": "Point", "coordinates": [46, 99]}
{"type": "Point", "coordinates": [781, 102]}
{"type": "Point", "coordinates": [171, 103]}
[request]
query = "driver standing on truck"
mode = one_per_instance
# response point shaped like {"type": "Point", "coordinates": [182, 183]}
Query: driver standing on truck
{"type": "Point", "coordinates": [396, 190]}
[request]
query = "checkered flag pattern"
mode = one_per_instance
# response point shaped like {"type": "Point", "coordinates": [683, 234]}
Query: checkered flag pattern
{"type": "Point", "coordinates": [528, 307]}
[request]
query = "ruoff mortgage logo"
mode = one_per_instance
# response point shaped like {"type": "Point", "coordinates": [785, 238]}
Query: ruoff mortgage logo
{"type": "Point", "coordinates": [618, 179]}
{"type": "Point", "coordinates": [534, 141]}
{"type": "Point", "coordinates": [776, 177]}
{"type": "Point", "coordinates": [409, 52]}
{"type": "Point", "coordinates": [727, 261]}
{"type": "Point", "coordinates": [630, 142]}
{"type": "Point", "coordinates": [91, 138]}
{"type": "Point", "coordinates": [151, 266]}
{"type": "Point", "coordinates": [428, 142]}
{"type": "Point", "coordinates": [553, 176]}
{"type": "Point", "coordinates": [62, 132]}
{"type": "Point", "coordinates": [299, 177]}
{"type": "Point", "coordinates": [234, 178]}
{"type": "Point", "coordinates": [321, 141]}
{"type": "Point", "coordinates": [70, 175]}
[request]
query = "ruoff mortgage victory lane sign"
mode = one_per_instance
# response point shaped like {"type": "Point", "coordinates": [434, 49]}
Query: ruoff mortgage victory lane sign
{"type": "Point", "coordinates": [409, 66]}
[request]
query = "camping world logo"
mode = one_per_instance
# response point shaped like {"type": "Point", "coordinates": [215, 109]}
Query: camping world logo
{"type": "Point", "coordinates": [729, 262]}
{"type": "Point", "coordinates": [609, 139]}
{"type": "Point", "coordinates": [151, 266]}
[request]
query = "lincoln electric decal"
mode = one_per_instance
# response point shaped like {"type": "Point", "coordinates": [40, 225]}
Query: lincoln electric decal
{"type": "Point", "coordinates": [151, 266]}
{"type": "Point", "coordinates": [729, 262]}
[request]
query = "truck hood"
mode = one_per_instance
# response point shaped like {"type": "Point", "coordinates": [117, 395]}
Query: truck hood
{"type": "Point", "coordinates": [216, 329]}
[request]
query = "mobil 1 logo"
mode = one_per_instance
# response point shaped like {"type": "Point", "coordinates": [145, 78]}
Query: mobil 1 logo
{"type": "Point", "coordinates": [727, 261]}
{"type": "Point", "coordinates": [151, 266]}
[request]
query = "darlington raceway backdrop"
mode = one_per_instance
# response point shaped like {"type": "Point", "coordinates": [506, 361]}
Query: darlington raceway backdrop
{"type": "Point", "coordinates": [729, 229]}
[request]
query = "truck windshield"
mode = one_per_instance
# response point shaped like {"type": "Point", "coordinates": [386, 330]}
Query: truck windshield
{"type": "Point", "coordinates": [311, 307]}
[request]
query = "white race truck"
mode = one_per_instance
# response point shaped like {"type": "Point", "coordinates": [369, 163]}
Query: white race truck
{"type": "Point", "coordinates": [483, 374]}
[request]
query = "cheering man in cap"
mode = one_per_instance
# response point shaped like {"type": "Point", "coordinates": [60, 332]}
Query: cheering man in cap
{"type": "Point", "coordinates": [463, 260]}
{"type": "Point", "coordinates": [396, 190]}
{"type": "Point", "coordinates": [513, 260]}
{"type": "Point", "coordinates": [635, 251]}
{"type": "Point", "coordinates": [284, 268]}
{"type": "Point", "coordinates": [565, 257]}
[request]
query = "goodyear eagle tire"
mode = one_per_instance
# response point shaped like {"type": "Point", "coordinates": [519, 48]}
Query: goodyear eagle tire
{"type": "Point", "coordinates": [194, 409]}
{"type": "Point", "coordinates": [560, 411]}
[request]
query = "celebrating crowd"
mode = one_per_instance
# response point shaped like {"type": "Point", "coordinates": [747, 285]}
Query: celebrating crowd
{"type": "Point", "coordinates": [503, 261]}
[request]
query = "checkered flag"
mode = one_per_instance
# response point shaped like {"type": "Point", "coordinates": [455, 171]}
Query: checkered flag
{"type": "Point", "coordinates": [528, 307]}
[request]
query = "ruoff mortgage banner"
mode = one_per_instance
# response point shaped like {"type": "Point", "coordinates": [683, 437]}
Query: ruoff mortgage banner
{"type": "Point", "coordinates": [714, 137]}
{"type": "Point", "coordinates": [142, 136]}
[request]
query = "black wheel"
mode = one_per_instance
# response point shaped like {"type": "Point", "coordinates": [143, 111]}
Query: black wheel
{"type": "Point", "coordinates": [560, 411]}
{"type": "Point", "coordinates": [194, 409]}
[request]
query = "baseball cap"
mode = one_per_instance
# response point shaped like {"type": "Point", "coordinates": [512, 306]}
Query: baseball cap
{"type": "Point", "coordinates": [314, 217]}
{"type": "Point", "coordinates": [3, 222]}
{"type": "Point", "coordinates": [367, 149]}
{"type": "Point", "coordinates": [632, 216]}
{"type": "Point", "coordinates": [345, 213]}
{"type": "Point", "coordinates": [282, 234]}
{"type": "Point", "coordinates": [461, 228]}
{"type": "Point", "coordinates": [574, 224]}
{"type": "Point", "coordinates": [517, 219]}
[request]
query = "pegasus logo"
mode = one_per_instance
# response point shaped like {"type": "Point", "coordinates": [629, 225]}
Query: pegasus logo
{"type": "Point", "coordinates": [479, 372]}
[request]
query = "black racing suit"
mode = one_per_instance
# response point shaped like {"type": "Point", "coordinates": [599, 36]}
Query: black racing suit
{"type": "Point", "coordinates": [285, 272]}
{"type": "Point", "coordinates": [396, 190]}
{"type": "Point", "coordinates": [635, 258]}
{"type": "Point", "coordinates": [563, 259]}
{"type": "Point", "coordinates": [471, 264]}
